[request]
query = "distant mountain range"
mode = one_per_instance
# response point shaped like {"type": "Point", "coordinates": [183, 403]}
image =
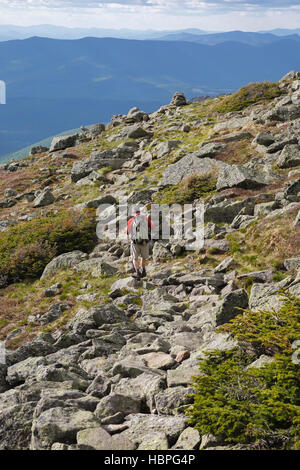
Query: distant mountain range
{"type": "Point", "coordinates": [57, 84]}
{"type": "Point", "coordinates": [10, 32]}
{"type": "Point", "coordinates": [253, 39]}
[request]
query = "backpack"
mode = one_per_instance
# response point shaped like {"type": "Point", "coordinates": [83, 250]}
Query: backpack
{"type": "Point", "coordinates": [139, 230]}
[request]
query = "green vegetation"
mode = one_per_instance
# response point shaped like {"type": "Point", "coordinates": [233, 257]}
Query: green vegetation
{"type": "Point", "coordinates": [25, 249]}
{"type": "Point", "coordinates": [266, 242]}
{"type": "Point", "coordinates": [191, 188]}
{"type": "Point", "coordinates": [247, 95]}
{"type": "Point", "coordinates": [253, 404]}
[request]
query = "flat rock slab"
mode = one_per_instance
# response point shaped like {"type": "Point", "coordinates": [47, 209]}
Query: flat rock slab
{"type": "Point", "coordinates": [99, 439]}
{"type": "Point", "coordinates": [142, 424]}
{"type": "Point", "coordinates": [189, 165]}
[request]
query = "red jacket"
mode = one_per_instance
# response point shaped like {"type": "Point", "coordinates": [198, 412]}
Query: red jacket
{"type": "Point", "coordinates": [150, 224]}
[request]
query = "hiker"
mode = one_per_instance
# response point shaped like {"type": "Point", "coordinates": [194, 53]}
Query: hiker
{"type": "Point", "coordinates": [138, 229]}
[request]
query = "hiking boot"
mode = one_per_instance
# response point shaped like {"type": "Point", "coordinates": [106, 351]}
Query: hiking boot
{"type": "Point", "coordinates": [143, 273]}
{"type": "Point", "coordinates": [136, 275]}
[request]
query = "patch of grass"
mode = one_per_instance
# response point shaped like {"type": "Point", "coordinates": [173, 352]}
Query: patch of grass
{"type": "Point", "coordinates": [248, 95]}
{"type": "Point", "coordinates": [191, 188]}
{"type": "Point", "coordinates": [26, 248]}
{"type": "Point", "coordinates": [267, 242]}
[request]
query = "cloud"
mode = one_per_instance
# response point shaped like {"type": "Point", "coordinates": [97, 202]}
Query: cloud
{"type": "Point", "coordinates": [162, 4]}
{"type": "Point", "coordinates": [154, 14]}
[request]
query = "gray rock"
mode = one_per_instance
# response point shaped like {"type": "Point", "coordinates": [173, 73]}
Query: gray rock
{"type": "Point", "coordinates": [189, 439]}
{"type": "Point", "coordinates": [292, 264]}
{"type": "Point", "coordinates": [230, 306]}
{"type": "Point", "coordinates": [160, 252]}
{"type": "Point", "coordinates": [96, 267]}
{"type": "Point", "coordinates": [297, 220]}
{"type": "Point", "coordinates": [63, 142]}
{"type": "Point", "coordinates": [3, 383]}
{"type": "Point", "coordinates": [95, 203]}
{"type": "Point", "coordinates": [259, 276]}
{"type": "Point", "coordinates": [135, 131]}
{"type": "Point", "coordinates": [261, 362]}
{"type": "Point", "coordinates": [264, 297]}
{"type": "Point", "coordinates": [115, 403]}
{"type": "Point", "coordinates": [164, 148]}
{"type": "Point", "coordinates": [60, 425]}
{"type": "Point", "coordinates": [35, 348]}
{"type": "Point", "coordinates": [209, 440]}
{"type": "Point", "coordinates": [38, 149]}
{"type": "Point", "coordinates": [10, 192]}
{"type": "Point", "coordinates": [173, 400]}
{"type": "Point", "coordinates": [19, 372]}
{"type": "Point", "coordinates": [226, 210]}
{"type": "Point", "coordinates": [45, 198]}
{"type": "Point", "coordinates": [241, 177]}
{"type": "Point", "coordinates": [210, 150]}
{"type": "Point", "coordinates": [227, 263]}
{"type": "Point", "coordinates": [289, 157]}
{"type": "Point", "coordinates": [142, 424]}
{"type": "Point", "coordinates": [182, 376]}
{"type": "Point", "coordinates": [154, 441]}
{"type": "Point", "coordinates": [54, 312]}
{"type": "Point", "coordinates": [144, 387]}
{"type": "Point", "coordinates": [263, 138]}
{"type": "Point", "coordinates": [178, 99]}
{"type": "Point", "coordinates": [189, 165]}
{"type": "Point", "coordinates": [85, 320]}
{"type": "Point", "coordinates": [96, 438]}
{"type": "Point", "coordinates": [292, 189]}
{"type": "Point", "coordinates": [133, 366]}
{"type": "Point", "coordinates": [234, 123]}
{"type": "Point", "coordinates": [15, 426]}
{"type": "Point", "coordinates": [97, 129]}
{"type": "Point", "coordinates": [67, 260]}
{"type": "Point", "coordinates": [158, 360]}
{"type": "Point", "coordinates": [283, 113]}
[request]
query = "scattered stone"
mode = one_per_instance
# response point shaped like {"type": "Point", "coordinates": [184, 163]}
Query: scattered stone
{"type": "Point", "coordinates": [63, 142]}
{"type": "Point", "coordinates": [241, 177]}
{"type": "Point", "coordinates": [178, 99]}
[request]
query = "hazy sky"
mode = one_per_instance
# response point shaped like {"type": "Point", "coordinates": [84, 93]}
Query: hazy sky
{"type": "Point", "coordinates": [154, 14]}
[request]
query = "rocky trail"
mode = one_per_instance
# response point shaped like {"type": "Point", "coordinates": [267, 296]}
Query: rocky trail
{"type": "Point", "coordinates": [96, 359]}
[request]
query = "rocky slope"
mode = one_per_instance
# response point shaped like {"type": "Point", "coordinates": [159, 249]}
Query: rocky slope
{"type": "Point", "coordinates": [97, 360]}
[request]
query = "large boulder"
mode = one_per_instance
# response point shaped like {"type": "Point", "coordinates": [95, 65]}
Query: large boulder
{"type": "Point", "coordinates": [143, 424]}
{"type": "Point", "coordinates": [189, 165]}
{"type": "Point", "coordinates": [97, 267]}
{"type": "Point", "coordinates": [173, 400]}
{"type": "Point", "coordinates": [97, 438]}
{"type": "Point", "coordinates": [15, 426]}
{"type": "Point", "coordinates": [38, 149]}
{"type": "Point", "coordinates": [97, 129]}
{"type": "Point", "coordinates": [283, 113]}
{"type": "Point", "coordinates": [60, 425]}
{"type": "Point", "coordinates": [210, 150]}
{"type": "Point", "coordinates": [289, 157]}
{"type": "Point", "coordinates": [231, 306]}
{"type": "Point", "coordinates": [45, 198]}
{"type": "Point", "coordinates": [178, 99]}
{"type": "Point", "coordinates": [63, 142]}
{"type": "Point", "coordinates": [67, 260]}
{"type": "Point", "coordinates": [116, 403]}
{"type": "Point", "coordinates": [239, 176]}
